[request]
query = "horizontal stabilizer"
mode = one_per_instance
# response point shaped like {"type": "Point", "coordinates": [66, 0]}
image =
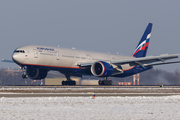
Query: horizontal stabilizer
{"type": "Point", "coordinates": [10, 61]}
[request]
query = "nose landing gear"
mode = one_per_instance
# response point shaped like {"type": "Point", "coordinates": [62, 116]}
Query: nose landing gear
{"type": "Point", "coordinates": [24, 75]}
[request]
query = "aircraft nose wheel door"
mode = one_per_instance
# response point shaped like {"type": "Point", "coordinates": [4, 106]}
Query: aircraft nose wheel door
{"type": "Point", "coordinates": [35, 53]}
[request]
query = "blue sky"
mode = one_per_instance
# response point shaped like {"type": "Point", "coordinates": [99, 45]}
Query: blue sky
{"type": "Point", "coordinates": [95, 25]}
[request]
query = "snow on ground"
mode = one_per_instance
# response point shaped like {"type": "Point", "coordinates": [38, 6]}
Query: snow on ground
{"type": "Point", "coordinates": [86, 108]}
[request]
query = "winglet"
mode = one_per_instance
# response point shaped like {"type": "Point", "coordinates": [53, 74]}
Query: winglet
{"type": "Point", "coordinates": [142, 47]}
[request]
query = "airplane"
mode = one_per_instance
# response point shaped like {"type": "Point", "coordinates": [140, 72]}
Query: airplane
{"type": "Point", "coordinates": [37, 61]}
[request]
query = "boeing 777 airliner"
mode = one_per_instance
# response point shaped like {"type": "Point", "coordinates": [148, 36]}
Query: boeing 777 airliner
{"type": "Point", "coordinates": [38, 60]}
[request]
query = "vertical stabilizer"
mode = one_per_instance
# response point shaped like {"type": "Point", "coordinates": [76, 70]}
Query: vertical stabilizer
{"type": "Point", "coordinates": [142, 47]}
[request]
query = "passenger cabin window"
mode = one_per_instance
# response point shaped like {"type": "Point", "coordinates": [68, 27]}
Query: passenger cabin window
{"type": "Point", "coordinates": [19, 51]}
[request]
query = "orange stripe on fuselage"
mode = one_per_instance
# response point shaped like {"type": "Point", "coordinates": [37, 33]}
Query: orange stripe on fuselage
{"type": "Point", "coordinates": [71, 67]}
{"type": "Point", "coordinates": [53, 66]}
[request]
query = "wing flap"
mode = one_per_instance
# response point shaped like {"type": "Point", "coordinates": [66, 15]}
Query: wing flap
{"type": "Point", "coordinates": [161, 63]}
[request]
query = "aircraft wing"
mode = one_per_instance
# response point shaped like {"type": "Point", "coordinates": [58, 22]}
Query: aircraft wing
{"type": "Point", "coordinates": [143, 61]}
{"type": "Point", "coordinates": [148, 61]}
{"type": "Point", "coordinates": [10, 61]}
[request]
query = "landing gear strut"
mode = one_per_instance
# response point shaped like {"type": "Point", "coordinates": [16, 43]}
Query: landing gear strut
{"type": "Point", "coordinates": [105, 82]}
{"type": "Point", "coordinates": [24, 75]}
{"type": "Point", "coordinates": [68, 81]}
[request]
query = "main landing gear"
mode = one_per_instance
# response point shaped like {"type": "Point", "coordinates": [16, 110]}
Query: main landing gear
{"type": "Point", "coordinates": [105, 82]}
{"type": "Point", "coordinates": [68, 81]}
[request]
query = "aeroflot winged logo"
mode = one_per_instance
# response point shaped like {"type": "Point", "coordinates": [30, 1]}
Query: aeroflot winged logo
{"type": "Point", "coordinates": [143, 45]}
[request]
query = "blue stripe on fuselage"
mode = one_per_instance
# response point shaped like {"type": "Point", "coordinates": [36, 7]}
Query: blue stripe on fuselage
{"type": "Point", "coordinates": [57, 68]}
{"type": "Point", "coordinates": [79, 70]}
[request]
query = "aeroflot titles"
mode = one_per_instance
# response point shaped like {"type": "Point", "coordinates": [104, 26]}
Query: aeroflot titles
{"type": "Point", "coordinates": [48, 49]}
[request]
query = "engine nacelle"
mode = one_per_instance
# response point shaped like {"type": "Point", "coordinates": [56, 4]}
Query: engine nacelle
{"type": "Point", "coordinates": [101, 69]}
{"type": "Point", "coordinates": [36, 74]}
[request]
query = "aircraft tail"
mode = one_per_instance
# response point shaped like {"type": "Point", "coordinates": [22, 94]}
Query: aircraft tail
{"type": "Point", "coordinates": [142, 47]}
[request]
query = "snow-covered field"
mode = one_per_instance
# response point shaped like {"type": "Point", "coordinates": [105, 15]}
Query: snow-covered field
{"type": "Point", "coordinates": [86, 108]}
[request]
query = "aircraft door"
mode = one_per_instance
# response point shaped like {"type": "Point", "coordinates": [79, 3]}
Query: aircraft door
{"type": "Point", "coordinates": [88, 58]}
{"type": "Point", "coordinates": [35, 53]}
{"type": "Point", "coordinates": [57, 55]}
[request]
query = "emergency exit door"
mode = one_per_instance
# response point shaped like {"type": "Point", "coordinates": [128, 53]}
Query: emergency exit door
{"type": "Point", "coordinates": [57, 55]}
{"type": "Point", "coordinates": [35, 53]}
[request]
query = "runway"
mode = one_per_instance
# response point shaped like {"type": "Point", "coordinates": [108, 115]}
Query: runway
{"type": "Point", "coordinates": [85, 91]}
{"type": "Point", "coordinates": [84, 94]}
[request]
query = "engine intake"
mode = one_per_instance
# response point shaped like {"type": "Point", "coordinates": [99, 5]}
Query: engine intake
{"type": "Point", "coordinates": [101, 69]}
{"type": "Point", "coordinates": [36, 74]}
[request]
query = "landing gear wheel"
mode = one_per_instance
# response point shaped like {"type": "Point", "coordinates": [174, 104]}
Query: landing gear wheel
{"type": "Point", "coordinates": [69, 82]}
{"type": "Point", "coordinates": [110, 82]}
{"type": "Point", "coordinates": [24, 76]}
{"type": "Point", "coordinates": [100, 82]}
{"type": "Point", "coordinates": [105, 82]}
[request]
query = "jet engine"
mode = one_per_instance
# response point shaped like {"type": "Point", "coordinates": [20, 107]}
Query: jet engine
{"type": "Point", "coordinates": [101, 69]}
{"type": "Point", "coordinates": [34, 73]}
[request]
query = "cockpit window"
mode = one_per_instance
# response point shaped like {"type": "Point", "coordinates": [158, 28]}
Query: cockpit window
{"type": "Point", "coordinates": [19, 51]}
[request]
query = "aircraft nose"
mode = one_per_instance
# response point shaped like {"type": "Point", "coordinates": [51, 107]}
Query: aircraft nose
{"type": "Point", "coordinates": [16, 58]}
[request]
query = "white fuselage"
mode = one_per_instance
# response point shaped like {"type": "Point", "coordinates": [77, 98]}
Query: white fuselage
{"type": "Point", "coordinates": [61, 57]}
